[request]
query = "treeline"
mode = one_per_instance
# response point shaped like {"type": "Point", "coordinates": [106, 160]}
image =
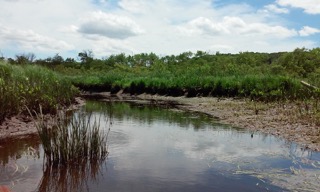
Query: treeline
{"type": "Point", "coordinates": [266, 76]}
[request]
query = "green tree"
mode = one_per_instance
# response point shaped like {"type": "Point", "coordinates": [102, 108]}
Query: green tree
{"type": "Point", "coordinates": [25, 58]}
{"type": "Point", "coordinates": [86, 56]}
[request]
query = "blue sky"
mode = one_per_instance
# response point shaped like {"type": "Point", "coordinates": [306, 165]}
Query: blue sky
{"type": "Point", "coordinates": [106, 27]}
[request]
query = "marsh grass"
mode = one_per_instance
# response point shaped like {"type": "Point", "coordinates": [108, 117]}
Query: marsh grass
{"type": "Point", "coordinates": [29, 86]}
{"type": "Point", "coordinates": [267, 87]}
{"type": "Point", "coordinates": [72, 139]}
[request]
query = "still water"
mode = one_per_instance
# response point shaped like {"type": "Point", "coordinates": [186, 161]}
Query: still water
{"type": "Point", "coordinates": [156, 149]}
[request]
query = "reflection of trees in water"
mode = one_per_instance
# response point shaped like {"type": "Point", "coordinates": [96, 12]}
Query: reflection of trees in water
{"type": "Point", "coordinates": [74, 177]}
{"type": "Point", "coordinates": [150, 114]}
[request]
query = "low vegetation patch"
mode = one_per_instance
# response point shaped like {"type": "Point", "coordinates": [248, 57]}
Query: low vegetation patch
{"type": "Point", "coordinates": [29, 86]}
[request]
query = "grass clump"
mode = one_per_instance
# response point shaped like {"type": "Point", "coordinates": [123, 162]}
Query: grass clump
{"type": "Point", "coordinates": [67, 140]}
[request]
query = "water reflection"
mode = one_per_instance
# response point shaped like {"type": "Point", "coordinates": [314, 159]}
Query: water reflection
{"type": "Point", "coordinates": [15, 155]}
{"type": "Point", "coordinates": [151, 114]}
{"type": "Point", "coordinates": [177, 149]}
{"type": "Point", "coordinates": [74, 177]}
{"type": "Point", "coordinates": [26, 146]}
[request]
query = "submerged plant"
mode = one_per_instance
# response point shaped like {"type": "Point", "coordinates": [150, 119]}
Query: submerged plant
{"type": "Point", "coordinates": [75, 139]}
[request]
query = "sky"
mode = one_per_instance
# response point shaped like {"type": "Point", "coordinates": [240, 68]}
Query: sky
{"type": "Point", "coordinates": [164, 27]}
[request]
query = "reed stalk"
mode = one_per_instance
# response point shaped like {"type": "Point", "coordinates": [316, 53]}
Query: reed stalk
{"type": "Point", "coordinates": [73, 139]}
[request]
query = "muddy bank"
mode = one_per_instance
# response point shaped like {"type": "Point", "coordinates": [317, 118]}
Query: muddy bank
{"type": "Point", "coordinates": [285, 120]}
{"type": "Point", "coordinates": [22, 125]}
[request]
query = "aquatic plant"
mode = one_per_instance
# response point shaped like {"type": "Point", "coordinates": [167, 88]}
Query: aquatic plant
{"type": "Point", "coordinates": [68, 140]}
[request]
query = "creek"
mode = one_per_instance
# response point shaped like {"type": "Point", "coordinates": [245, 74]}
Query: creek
{"type": "Point", "coordinates": [157, 149]}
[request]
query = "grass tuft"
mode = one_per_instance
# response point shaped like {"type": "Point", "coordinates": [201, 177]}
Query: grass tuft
{"type": "Point", "coordinates": [69, 140]}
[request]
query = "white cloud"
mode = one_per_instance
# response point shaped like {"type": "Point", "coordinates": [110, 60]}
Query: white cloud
{"type": "Point", "coordinates": [273, 8]}
{"type": "Point", "coordinates": [234, 26]}
{"type": "Point", "coordinates": [307, 31]}
{"type": "Point", "coordinates": [31, 40]}
{"type": "Point", "coordinates": [107, 47]}
{"type": "Point", "coordinates": [109, 25]}
{"type": "Point", "coordinates": [203, 25]}
{"type": "Point", "coordinates": [136, 6]}
{"type": "Point", "coordinates": [159, 26]}
{"type": "Point", "coordinates": [221, 48]}
{"type": "Point", "coordinates": [309, 6]}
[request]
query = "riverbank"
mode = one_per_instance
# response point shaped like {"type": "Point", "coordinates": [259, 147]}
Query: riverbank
{"type": "Point", "coordinates": [22, 125]}
{"type": "Point", "coordinates": [285, 120]}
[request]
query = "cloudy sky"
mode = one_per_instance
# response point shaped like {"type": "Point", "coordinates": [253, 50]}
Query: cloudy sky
{"type": "Point", "coordinates": [47, 27]}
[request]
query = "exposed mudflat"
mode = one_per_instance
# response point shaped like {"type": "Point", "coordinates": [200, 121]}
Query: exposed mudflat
{"type": "Point", "coordinates": [286, 120]}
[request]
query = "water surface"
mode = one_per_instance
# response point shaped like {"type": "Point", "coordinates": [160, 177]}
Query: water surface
{"type": "Point", "coordinates": [155, 149]}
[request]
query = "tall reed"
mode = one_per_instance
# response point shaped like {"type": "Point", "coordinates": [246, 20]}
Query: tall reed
{"type": "Point", "coordinates": [67, 140]}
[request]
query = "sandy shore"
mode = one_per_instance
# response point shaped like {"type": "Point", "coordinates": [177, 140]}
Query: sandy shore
{"type": "Point", "coordinates": [286, 120]}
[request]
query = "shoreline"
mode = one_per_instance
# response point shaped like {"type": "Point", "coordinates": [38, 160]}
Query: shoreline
{"type": "Point", "coordinates": [270, 118]}
{"type": "Point", "coordinates": [276, 119]}
{"type": "Point", "coordinates": [20, 126]}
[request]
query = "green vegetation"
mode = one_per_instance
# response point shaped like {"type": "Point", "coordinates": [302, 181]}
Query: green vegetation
{"type": "Point", "coordinates": [72, 140]}
{"type": "Point", "coordinates": [29, 86]}
{"type": "Point", "coordinates": [259, 76]}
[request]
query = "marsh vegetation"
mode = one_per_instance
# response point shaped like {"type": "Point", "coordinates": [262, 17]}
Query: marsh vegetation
{"type": "Point", "coordinates": [75, 139]}
{"type": "Point", "coordinates": [29, 86]}
{"type": "Point", "coordinates": [258, 76]}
